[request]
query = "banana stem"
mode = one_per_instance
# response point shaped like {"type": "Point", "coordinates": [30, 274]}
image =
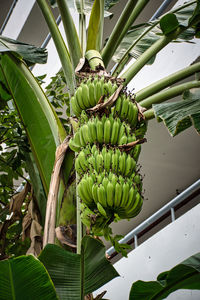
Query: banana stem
{"type": "Point", "coordinates": [169, 93]}
{"type": "Point", "coordinates": [128, 16]}
{"type": "Point", "coordinates": [78, 219]}
{"type": "Point", "coordinates": [149, 114]}
{"type": "Point", "coordinates": [148, 54]}
{"type": "Point", "coordinates": [60, 45]}
{"type": "Point", "coordinates": [166, 81]}
{"type": "Point", "coordinates": [82, 28]}
{"type": "Point", "coordinates": [70, 31]}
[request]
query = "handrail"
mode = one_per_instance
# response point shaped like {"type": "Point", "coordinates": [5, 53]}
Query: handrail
{"type": "Point", "coordinates": [166, 208]}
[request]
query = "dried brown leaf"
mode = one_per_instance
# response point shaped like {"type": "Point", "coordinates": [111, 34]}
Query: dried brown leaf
{"type": "Point", "coordinates": [18, 199]}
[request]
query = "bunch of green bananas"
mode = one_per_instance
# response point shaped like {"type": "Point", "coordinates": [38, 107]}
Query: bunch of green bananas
{"type": "Point", "coordinates": [105, 130]}
{"type": "Point", "coordinates": [88, 93]}
{"type": "Point", "coordinates": [110, 187]}
{"type": "Point", "coordinates": [108, 159]}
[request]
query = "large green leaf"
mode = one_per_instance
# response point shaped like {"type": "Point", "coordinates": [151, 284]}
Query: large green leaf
{"type": "Point", "coordinates": [180, 115]}
{"type": "Point", "coordinates": [186, 275]}
{"type": "Point", "coordinates": [95, 28]}
{"type": "Point", "coordinates": [42, 125]}
{"type": "Point", "coordinates": [29, 53]}
{"type": "Point", "coordinates": [75, 275]}
{"type": "Point", "coordinates": [25, 278]}
{"type": "Point", "coordinates": [140, 37]}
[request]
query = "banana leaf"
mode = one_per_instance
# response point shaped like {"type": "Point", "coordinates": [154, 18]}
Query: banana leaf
{"type": "Point", "coordinates": [144, 35]}
{"type": "Point", "coordinates": [25, 278]}
{"type": "Point", "coordinates": [185, 275]}
{"type": "Point", "coordinates": [44, 130]}
{"type": "Point", "coordinates": [95, 28]}
{"type": "Point", "coordinates": [180, 115]}
{"type": "Point", "coordinates": [76, 275]}
{"type": "Point", "coordinates": [29, 53]}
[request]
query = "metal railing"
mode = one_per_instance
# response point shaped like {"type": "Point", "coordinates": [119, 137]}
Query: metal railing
{"type": "Point", "coordinates": [168, 208]}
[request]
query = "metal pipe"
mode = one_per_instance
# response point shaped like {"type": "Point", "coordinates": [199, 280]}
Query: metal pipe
{"type": "Point", "coordinates": [135, 241]}
{"type": "Point", "coordinates": [173, 214]}
{"type": "Point", "coordinates": [160, 10]}
{"type": "Point", "coordinates": [8, 16]}
{"type": "Point", "coordinates": [178, 199]}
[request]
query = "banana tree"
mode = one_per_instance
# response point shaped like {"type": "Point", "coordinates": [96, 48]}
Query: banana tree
{"type": "Point", "coordinates": [107, 122]}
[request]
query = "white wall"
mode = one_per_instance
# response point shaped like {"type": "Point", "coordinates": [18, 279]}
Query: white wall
{"type": "Point", "coordinates": [161, 252]}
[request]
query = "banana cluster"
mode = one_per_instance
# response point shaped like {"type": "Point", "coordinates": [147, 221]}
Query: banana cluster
{"type": "Point", "coordinates": [89, 93]}
{"type": "Point", "coordinates": [112, 195]}
{"type": "Point", "coordinates": [106, 130]}
{"type": "Point", "coordinates": [110, 187]}
{"type": "Point", "coordinates": [108, 159]}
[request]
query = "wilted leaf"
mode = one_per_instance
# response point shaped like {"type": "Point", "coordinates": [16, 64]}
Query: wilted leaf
{"type": "Point", "coordinates": [180, 115]}
{"type": "Point", "coordinates": [185, 275]}
{"type": "Point", "coordinates": [18, 199]}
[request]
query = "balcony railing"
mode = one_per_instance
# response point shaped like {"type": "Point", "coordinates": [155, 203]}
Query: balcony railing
{"type": "Point", "coordinates": [169, 209]}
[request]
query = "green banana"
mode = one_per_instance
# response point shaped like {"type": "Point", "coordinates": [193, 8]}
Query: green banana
{"type": "Point", "coordinates": [107, 131]}
{"type": "Point", "coordinates": [110, 194]}
{"type": "Point", "coordinates": [115, 133]}
{"type": "Point", "coordinates": [101, 210]}
{"type": "Point", "coordinates": [100, 132]}
{"type": "Point", "coordinates": [102, 195]}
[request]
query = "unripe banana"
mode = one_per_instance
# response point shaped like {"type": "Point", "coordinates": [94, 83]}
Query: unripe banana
{"type": "Point", "coordinates": [83, 192]}
{"type": "Point", "coordinates": [75, 108]}
{"type": "Point", "coordinates": [85, 95]}
{"type": "Point", "coordinates": [102, 195]}
{"type": "Point", "coordinates": [125, 191]}
{"type": "Point", "coordinates": [100, 132]}
{"type": "Point", "coordinates": [78, 167]}
{"type": "Point", "coordinates": [76, 138]}
{"type": "Point", "coordinates": [73, 146]}
{"type": "Point", "coordinates": [79, 98]}
{"type": "Point", "coordinates": [105, 182]}
{"type": "Point", "coordinates": [106, 89]}
{"type": "Point", "coordinates": [110, 194]}
{"type": "Point", "coordinates": [98, 91]}
{"type": "Point", "coordinates": [121, 132]}
{"type": "Point", "coordinates": [115, 162]}
{"type": "Point", "coordinates": [118, 195]}
{"type": "Point", "coordinates": [99, 163]}
{"type": "Point", "coordinates": [129, 165]}
{"type": "Point", "coordinates": [101, 210]}
{"type": "Point", "coordinates": [115, 133]}
{"type": "Point", "coordinates": [131, 198]}
{"type": "Point", "coordinates": [118, 106]}
{"type": "Point", "coordinates": [136, 152]}
{"type": "Point", "coordinates": [84, 131]}
{"type": "Point", "coordinates": [90, 132]}
{"type": "Point", "coordinates": [94, 149]}
{"type": "Point", "coordinates": [110, 85]}
{"type": "Point", "coordinates": [124, 108]}
{"type": "Point", "coordinates": [92, 100]}
{"type": "Point", "coordinates": [107, 131]}
{"type": "Point", "coordinates": [94, 193]}
{"type": "Point", "coordinates": [123, 140]}
{"type": "Point", "coordinates": [107, 161]}
{"type": "Point", "coordinates": [134, 118]}
{"type": "Point", "coordinates": [82, 140]}
{"type": "Point", "coordinates": [136, 207]}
